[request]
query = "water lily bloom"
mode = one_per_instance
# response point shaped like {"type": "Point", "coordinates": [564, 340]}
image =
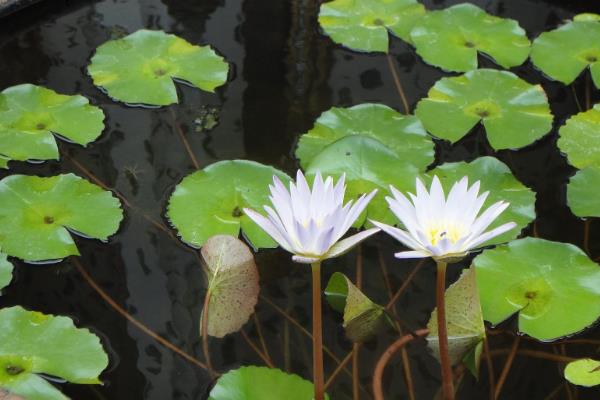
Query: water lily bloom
{"type": "Point", "coordinates": [440, 227]}
{"type": "Point", "coordinates": [309, 223]}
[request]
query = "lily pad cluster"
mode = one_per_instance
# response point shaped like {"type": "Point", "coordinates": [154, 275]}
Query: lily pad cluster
{"type": "Point", "coordinates": [140, 68]}
{"type": "Point", "coordinates": [373, 145]}
{"type": "Point", "coordinates": [31, 115]}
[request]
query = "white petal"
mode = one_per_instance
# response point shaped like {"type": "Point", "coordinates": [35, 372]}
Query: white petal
{"type": "Point", "coordinates": [355, 212]}
{"type": "Point", "coordinates": [347, 244]}
{"type": "Point", "coordinates": [411, 254]}
{"type": "Point", "coordinates": [490, 234]}
{"type": "Point", "coordinates": [305, 259]}
{"type": "Point", "coordinates": [487, 218]}
{"type": "Point", "coordinates": [399, 235]}
{"type": "Point", "coordinates": [269, 228]}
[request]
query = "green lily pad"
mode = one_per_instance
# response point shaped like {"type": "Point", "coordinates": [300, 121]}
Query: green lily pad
{"type": "Point", "coordinates": [580, 138]}
{"type": "Point", "coordinates": [513, 112]}
{"type": "Point", "coordinates": [368, 165]}
{"type": "Point", "coordinates": [232, 284]}
{"type": "Point", "coordinates": [260, 383]}
{"type": "Point", "coordinates": [565, 52]}
{"type": "Point", "coordinates": [496, 178]}
{"type": "Point", "coordinates": [140, 68]}
{"type": "Point", "coordinates": [29, 115]}
{"type": "Point", "coordinates": [362, 317]}
{"type": "Point", "coordinates": [33, 343]}
{"type": "Point", "coordinates": [363, 25]}
{"type": "Point", "coordinates": [38, 213]}
{"type": "Point", "coordinates": [464, 322]}
{"type": "Point", "coordinates": [211, 202]}
{"type": "Point", "coordinates": [582, 192]}
{"type": "Point", "coordinates": [554, 287]}
{"type": "Point", "coordinates": [450, 38]}
{"type": "Point", "coordinates": [584, 372]}
{"type": "Point", "coordinates": [403, 134]}
{"type": "Point", "coordinates": [6, 269]}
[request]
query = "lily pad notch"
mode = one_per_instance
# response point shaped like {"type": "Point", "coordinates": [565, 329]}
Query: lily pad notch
{"type": "Point", "coordinates": [140, 68]}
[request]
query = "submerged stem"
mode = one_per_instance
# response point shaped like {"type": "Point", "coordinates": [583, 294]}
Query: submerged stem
{"type": "Point", "coordinates": [204, 332]}
{"type": "Point", "coordinates": [318, 378]}
{"type": "Point", "coordinates": [447, 379]}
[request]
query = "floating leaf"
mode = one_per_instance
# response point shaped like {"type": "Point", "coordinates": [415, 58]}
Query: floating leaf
{"type": "Point", "coordinates": [38, 213]}
{"type": "Point", "coordinates": [513, 112]}
{"type": "Point", "coordinates": [582, 192]}
{"type": "Point", "coordinates": [496, 178]}
{"type": "Point", "coordinates": [211, 201]}
{"type": "Point", "coordinates": [33, 343]}
{"type": "Point", "coordinates": [584, 372]}
{"type": "Point", "coordinates": [450, 38]}
{"type": "Point", "coordinates": [565, 52]}
{"type": "Point", "coordinates": [553, 286]}
{"type": "Point", "coordinates": [232, 284]}
{"type": "Point", "coordinates": [403, 134]}
{"type": "Point", "coordinates": [363, 25]}
{"type": "Point", "coordinates": [362, 317]}
{"type": "Point", "coordinates": [29, 115]}
{"type": "Point", "coordinates": [368, 164]}
{"type": "Point", "coordinates": [6, 269]}
{"type": "Point", "coordinates": [140, 68]}
{"type": "Point", "coordinates": [580, 138]}
{"type": "Point", "coordinates": [464, 321]}
{"type": "Point", "coordinates": [260, 383]}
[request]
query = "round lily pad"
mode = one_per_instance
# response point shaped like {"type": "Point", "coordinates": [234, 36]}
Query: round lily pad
{"type": "Point", "coordinates": [368, 164]}
{"type": "Point", "coordinates": [513, 112]}
{"type": "Point", "coordinates": [403, 134]}
{"type": "Point", "coordinates": [211, 202]}
{"type": "Point", "coordinates": [565, 52]}
{"type": "Point", "coordinates": [450, 38]}
{"type": "Point", "coordinates": [584, 372]}
{"type": "Point", "coordinates": [29, 115]}
{"type": "Point", "coordinates": [582, 192]}
{"type": "Point", "coordinates": [364, 25]}
{"type": "Point", "coordinates": [140, 68]}
{"type": "Point", "coordinates": [33, 343]}
{"type": "Point", "coordinates": [6, 269]}
{"type": "Point", "coordinates": [38, 213]}
{"type": "Point", "coordinates": [496, 178]}
{"type": "Point", "coordinates": [260, 383]}
{"type": "Point", "coordinates": [554, 287]}
{"type": "Point", "coordinates": [580, 138]}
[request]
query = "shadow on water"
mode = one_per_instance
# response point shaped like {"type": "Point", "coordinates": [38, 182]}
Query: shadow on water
{"type": "Point", "coordinates": [284, 74]}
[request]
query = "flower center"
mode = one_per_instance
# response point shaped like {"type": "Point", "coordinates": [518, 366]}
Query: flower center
{"type": "Point", "coordinates": [438, 232]}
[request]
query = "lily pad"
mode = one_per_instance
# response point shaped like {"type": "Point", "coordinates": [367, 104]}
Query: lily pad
{"type": "Point", "coordinates": [33, 343]}
{"type": "Point", "coordinates": [565, 52]}
{"type": "Point", "coordinates": [496, 178]}
{"type": "Point", "coordinates": [38, 213]}
{"type": "Point", "coordinates": [260, 383]}
{"type": "Point", "coordinates": [211, 202]}
{"type": "Point", "coordinates": [582, 192]}
{"type": "Point", "coordinates": [232, 284]}
{"type": "Point", "coordinates": [513, 112]}
{"type": "Point", "coordinates": [554, 287]}
{"type": "Point", "coordinates": [362, 317]}
{"type": "Point", "coordinates": [452, 37]}
{"type": "Point", "coordinates": [580, 138]}
{"type": "Point", "coordinates": [403, 134]}
{"type": "Point", "coordinates": [364, 25]}
{"type": "Point", "coordinates": [368, 164]}
{"type": "Point", "coordinates": [464, 322]}
{"type": "Point", "coordinates": [140, 68]}
{"type": "Point", "coordinates": [6, 269]}
{"type": "Point", "coordinates": [584, 372]}
{"type": "Point", "coordinates": [29, 115]}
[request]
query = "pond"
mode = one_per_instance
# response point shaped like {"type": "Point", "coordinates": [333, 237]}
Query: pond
{"type": "Point", "coordinates": [283, 74]}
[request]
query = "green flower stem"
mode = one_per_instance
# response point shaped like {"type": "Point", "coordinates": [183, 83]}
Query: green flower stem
{"type": "Point", "coordinates": [447, 382]}
{"type": "Point", "coordinates": [317, 327]}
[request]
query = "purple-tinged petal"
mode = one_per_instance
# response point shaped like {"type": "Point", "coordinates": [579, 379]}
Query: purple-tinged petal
{"type": "Point", "coordinates": [347, 244]}
{"type": "Point", "coordinates": [399, 235]}
{"type": "Point", "coordinates": [268, 226]}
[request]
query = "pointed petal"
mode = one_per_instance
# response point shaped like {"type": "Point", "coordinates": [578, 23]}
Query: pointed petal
{"type": "Point", "coordinates": [399, 235]}
{"type": "Point", "coordinates": [491, 234]}
{"type": "Point", "coordinates": [347, 244]}
{"type": "Point", "coordinates": [267, 226]}
{"type": "Point", "coordinates": [411, 254]}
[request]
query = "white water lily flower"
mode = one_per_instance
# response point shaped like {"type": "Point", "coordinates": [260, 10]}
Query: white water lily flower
{"type": "Point", "coordinates": [440, 227]}
{"type": "Point", "coordinates": [310, 223]}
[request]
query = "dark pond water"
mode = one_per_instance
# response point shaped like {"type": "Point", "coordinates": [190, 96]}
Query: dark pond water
{"type": "Point", "coordinates": [285, 74]}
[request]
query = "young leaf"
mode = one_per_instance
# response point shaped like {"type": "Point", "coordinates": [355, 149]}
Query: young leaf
{"type": "Point", "coordinates": [6, 269]}
{"type": "Point", "coordinates": [464, 322]}
{"type": "Point", "coordinates": [362, 317]}
{"type": "Point", "coordinates": [232, 284]}
{"type": "Point", "coordinates": [584, 372]}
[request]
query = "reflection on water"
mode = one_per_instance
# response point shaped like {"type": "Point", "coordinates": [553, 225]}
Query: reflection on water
{"type": "Point", "coordinates": [284, 74]}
